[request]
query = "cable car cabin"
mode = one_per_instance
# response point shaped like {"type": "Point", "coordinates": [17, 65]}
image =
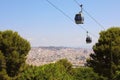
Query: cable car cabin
{"type": "Point", "coordinates": [79, 19]}
{"type": "Point", "coordinates": [88, 39]}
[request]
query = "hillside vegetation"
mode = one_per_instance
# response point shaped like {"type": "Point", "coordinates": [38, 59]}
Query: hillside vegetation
{"type": "Point", "coordinates": [61, 70]}
{"type": "Point", "coordinates": [103, 64]}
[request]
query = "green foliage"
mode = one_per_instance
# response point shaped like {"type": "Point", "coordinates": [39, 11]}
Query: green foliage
{"type": "Point", "coordinates": [59, 71]}
{"type": "Point", "coordinates": [2, 61]}
{"type": "Point", "coordinates": [117, 75]}
{"type": "Point", "coordinates": [53, 71]}
{"type": "Point", "coordinates": [13, 51]}
{"type": "Point", "coordinates": [3, 75]}
{"type": "Point", "coordinates": [106, 57]}
{"type": "Point", "coordinates": [86, 73]}
{"type": "Point", "coordinates": [66, 64]}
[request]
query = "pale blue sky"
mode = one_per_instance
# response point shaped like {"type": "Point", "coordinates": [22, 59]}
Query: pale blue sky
{"type": "Point", "coordinates": [43, 25]}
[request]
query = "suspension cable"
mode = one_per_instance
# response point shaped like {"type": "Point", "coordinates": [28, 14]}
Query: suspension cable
{"type": "Point", "coordinates": [94, 19]}
{"type": "Point", "coordinates": [69, 17]}
{"type": "Point", "coordinates": [63, 12]}
{"type": "Point", "coordinates": [90, 16]}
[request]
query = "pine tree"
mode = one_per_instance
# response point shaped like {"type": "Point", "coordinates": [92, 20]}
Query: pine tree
{"type": "Point", "coordinates": [106, 57]}
{"type": "Point", "coordinates": [13, 51]}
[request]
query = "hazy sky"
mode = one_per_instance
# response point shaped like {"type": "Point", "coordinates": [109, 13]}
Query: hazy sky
{"type": "Point", "coordinates": [43, 25]}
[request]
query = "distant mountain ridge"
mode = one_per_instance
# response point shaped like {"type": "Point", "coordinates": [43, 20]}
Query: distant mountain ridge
{"type": "Point", "coordinates": [45, 55]}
